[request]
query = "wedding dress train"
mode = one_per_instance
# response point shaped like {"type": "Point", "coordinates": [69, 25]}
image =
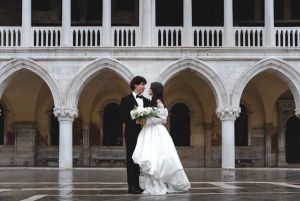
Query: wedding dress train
{"type": "Point", "coordinates": [158, 159]}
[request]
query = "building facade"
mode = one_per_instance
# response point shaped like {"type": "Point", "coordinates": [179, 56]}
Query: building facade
{"type": "Point", "coordinates": [231, 71]}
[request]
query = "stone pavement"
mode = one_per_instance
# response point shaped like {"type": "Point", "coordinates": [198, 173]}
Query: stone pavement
{"type": "Point", "coordinates": [42, 184]}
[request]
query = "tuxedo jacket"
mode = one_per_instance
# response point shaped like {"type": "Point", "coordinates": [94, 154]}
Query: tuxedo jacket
{"type": "Point", "coordinates": [127, 104]}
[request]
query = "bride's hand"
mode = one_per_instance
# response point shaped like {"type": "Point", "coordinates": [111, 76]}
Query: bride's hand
{"type": "Point", "coordinates": [141, 122]}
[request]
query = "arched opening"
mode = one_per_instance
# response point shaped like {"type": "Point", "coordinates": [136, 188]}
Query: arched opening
{"type": "Point", "coordinates": [180, 130]}
{"type": "Point", "coordinates": [112, 126]}
{"type": "Point", "coordinates": [292, 140]}
{"type": "Point", "coordinates": [2, 125]}
{"type": "Point", "coordinates": [54, 129]}
{"type": "Point", "coordinates": [241, 128]}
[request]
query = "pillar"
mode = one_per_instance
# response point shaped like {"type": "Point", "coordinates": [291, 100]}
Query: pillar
{"type": "Point", "coordinates": [208, 127]}
{"type": "Point", "coordinates": [26, 23]}
{"type": "Point", "coordinates": [187, 23]}
{"type": "Point", "coordinates": [147, 23]}
{"type": "Point", "coordinates": [281, 139]}
{"type": "Point", "coordinates": [228, 24]}
{"type": "Point", "coordinates": [65, 117]}
{"type": "Point", "coordinates": [86, 144]}
{"type": "Point", "coordinates": [268, 144]}
{"type": "Point", "coordinates": [269, 37]}
{"type": "Point", "coordinates": [228, 117]}
{"type": "Point", "coordinates": [66, 23]}
{"type": "Point", "coordinates": [106, 23]}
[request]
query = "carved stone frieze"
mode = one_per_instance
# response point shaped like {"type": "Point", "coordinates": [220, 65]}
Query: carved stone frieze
{"type": "Point", "coordinates": [227, 114]}
{"type": "Point", "coordinates": [151, 52]}
{"type": "Point", "coordinates": [65, 114]}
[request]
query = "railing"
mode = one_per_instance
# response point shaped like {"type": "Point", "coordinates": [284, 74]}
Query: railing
{"type": "Point", "coordinates": [46, 36]}
{"type": "Point", "coordinates": [168, 36]}
{"type": "Point", "coordinates": [163, 36]}
{"type": "Point", "coordinates": [10, 36]}
{"type": "Point", "coordinates": [208, 36]}
{"type": "Point", "coordinates": [249, 36]}
{"type": "Point", "coordinates": [287, 37]}
{"type": "Point", "coordinates": [125, 36]}
{"type": "Point", "coordinates": [86, 36]}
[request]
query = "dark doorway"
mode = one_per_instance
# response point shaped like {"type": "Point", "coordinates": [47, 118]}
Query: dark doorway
{"type": "Point", "coordinates": [180, 125]}
{"type": "Point", "coordinates": [1, 125]}
{"type": "Point", "coordinates": [292, 140]}
{"type": "Point", "coordinates": [112, 126]}
{"type": "Point", "coordinates": [241, 128]}
{"type": "Point", "coordinates": [54, 129]}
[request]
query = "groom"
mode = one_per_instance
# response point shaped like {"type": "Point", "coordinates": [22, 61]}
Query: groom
{"type": "Point", "coordinates": [132, 129]}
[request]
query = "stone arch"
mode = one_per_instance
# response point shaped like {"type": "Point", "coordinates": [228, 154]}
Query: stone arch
{"type": "Point", "coordinates": [274, 66]}
{"type": "Point", "coordinates": [201, 69]}
{"type": "Point", "coordinates": [8, 71]}
{"type": "Point", "coordinates": [181, 101]}
{"type": "Point", "coordinates": [91, 70]}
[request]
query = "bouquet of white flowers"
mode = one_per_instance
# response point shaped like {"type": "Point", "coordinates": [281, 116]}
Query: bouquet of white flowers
{"type": "Point", "coordinates": [142, 113]}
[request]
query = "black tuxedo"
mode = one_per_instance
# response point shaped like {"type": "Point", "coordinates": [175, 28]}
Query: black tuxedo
{"type": "Point", "coordinates": [132, 131]}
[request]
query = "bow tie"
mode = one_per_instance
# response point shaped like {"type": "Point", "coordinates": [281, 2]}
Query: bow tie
{"type": "Point", "coordinates": [137, 96]}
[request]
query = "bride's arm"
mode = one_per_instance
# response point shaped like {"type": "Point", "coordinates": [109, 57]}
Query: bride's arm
{"type": "Point", "coordinates": [155, 120]}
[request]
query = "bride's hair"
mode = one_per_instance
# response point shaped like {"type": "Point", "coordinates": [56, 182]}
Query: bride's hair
{"type": "Point", "coordinates": [157, 90]}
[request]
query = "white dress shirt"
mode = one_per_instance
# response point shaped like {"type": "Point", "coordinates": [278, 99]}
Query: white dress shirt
{"type": "Point", "coordinates": [138, 100]}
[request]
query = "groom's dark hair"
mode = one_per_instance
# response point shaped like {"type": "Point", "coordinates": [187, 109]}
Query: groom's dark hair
{"type": "Point", "coordinates": [137, 80]}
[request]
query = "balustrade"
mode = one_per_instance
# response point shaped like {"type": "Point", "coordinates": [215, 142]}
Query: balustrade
{"type": "Point", "coordinates": [10, 36]}
{"type": "Point", "coordinates": [168, 36]}
{"type": "Point", "coordinates": [46, 36]}
{"type": "Point", "coordinates": [208, 36]}
{"type": "Point", "coordinates": [86, 36]}
{"type": "Point", "coordinates": [163, 36]}
{"type": "Point", "coordinates": [249, 36]}
{"type": "Point", "coordinates": [125, 36]}
{"type": "Point", "coordinates": [287, 37]}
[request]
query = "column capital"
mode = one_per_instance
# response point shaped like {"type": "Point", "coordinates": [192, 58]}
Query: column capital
{"type": "Point", "coordinates": [228, 114]}
{"type": "Point", "coordinates": [65, 114]}
{"type": "Point", "coordinates": [297, 112]}
{"type": "Point", "coordinates": [208, 126]}
{"type": "Point", "coordinates": [86, 126]}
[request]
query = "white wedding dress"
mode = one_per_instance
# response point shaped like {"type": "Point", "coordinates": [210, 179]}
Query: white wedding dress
{"type": "Point", "coordinates": [158, 159]}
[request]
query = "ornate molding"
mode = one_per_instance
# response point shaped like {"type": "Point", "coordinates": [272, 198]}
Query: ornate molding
{"type": "Point", "coordinates": [228, 114]}
{"type": "Point", "coordinates": [65, 114]}
{"type": "Point", "coordinates": [150, 52]}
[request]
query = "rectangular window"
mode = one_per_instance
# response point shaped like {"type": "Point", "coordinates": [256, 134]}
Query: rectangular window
{"type": "Point", "coordinates": [295, 7]}
{"type": "Point", "coordinates": [243, 9]}
{"type": "Point", "coordinates": [94, 10]}
{"type": "Point", "coordinates": [124, 5]}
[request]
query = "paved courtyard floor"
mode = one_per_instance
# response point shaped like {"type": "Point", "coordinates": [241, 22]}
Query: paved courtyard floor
{"type": "Point", "coordinates": [110, 184]}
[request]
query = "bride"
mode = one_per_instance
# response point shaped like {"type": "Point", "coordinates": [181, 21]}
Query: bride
{"type": "Point", "coordinates": [156, 154]}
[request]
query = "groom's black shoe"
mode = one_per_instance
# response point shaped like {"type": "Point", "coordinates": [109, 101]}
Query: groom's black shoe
{"type": "Point", "coordinates": [140, 189]}
{"type": "Point", "coordinates": [134, 190]}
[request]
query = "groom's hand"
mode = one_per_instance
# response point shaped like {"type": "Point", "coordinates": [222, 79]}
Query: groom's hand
{"type": "Point", "coordinates": [141, 122]}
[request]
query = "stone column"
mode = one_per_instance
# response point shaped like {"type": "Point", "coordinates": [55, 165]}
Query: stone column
{"type": "Point", "coordinates": [65, 117]}
{"type": "Point", "coordinates": [268, 143]}
{"type": "Point", "coordinates": [228, 24]}
{"type": "Point", "coordinates": [187, 23]}
{"type": "Point", "coordinates": [153, 23]}
{"type": "Point", "coordinates": [106, 23]}
{"type": "Point", "coordinates": [208, 127]}
{"type": "Point", "coordinates": [269, 37]}
{"type": "Point", "coordinates": [26, 23]}
{"type": "Point", "coordinates": [147, 23]}
{"type": "Point", "coordinates": [228, 117]}
{"type": "Point", "coordinates": [86, 144]}
{"type": "Point", "coordinates": [101, 113]}
{"type": "Point", "coordinates": [49, 127]}
{"type": "Point", "coordinates": [281, 139]}
{"type": "Point", "coordinates": [5, 112]}
{"type": "Point", "coordinates": [66, 23]}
